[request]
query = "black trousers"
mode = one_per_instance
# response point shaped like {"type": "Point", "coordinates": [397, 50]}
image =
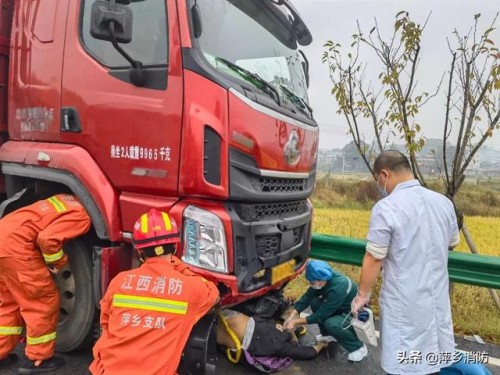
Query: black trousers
{"type": "Point", "coordinates": [268, 341]}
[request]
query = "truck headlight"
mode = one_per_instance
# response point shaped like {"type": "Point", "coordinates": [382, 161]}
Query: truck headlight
{"type": "Point", "coordinates": [204, 240]}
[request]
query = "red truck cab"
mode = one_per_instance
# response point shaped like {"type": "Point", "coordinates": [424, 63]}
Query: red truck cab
{"type": "Point", "coordinates": [194, 107]}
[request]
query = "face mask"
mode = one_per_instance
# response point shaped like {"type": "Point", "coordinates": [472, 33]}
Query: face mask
{"type": "Point", "coordinates": [382, 191]}
{"type": "Point", "coordinates": [316, 287]}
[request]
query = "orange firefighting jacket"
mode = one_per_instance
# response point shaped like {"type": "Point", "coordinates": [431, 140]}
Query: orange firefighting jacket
{"type": "Point", "coordinates": [147, 315]}
{"type": "Point", "coordinates": [44, 225]}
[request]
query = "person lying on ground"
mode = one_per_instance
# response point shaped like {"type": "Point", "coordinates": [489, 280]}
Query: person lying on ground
{"type": "Point", "coordinates": [261, 337]}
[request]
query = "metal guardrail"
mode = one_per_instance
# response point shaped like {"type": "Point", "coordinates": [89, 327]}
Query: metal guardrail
{"type": "Point", "coordinates": [464, 268]}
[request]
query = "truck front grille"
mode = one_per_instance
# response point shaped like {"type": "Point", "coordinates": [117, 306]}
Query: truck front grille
{"type": "Point", "coordinates": [267, 246]}
{"type": "Point", "coordinates": [297, 235]}
{"type": "Point", "coordinates": [266, 235]}
{"type": "Point", "coordinates": [279, 185]}
{"type": "Point", "coordinates": [250, 183]}
{"type": "Point", "coordinates": [270, 245]}
{"type": "Point", "coordinates": [255, 212]}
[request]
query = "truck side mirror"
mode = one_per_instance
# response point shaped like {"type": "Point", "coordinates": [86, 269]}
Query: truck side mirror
{"type": "Point", "coordinates": [104, 13]}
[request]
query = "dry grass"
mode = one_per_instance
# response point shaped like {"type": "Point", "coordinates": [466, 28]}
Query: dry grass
{"type": "Point", "coordinates": [472, 307]}
{"type": "Point", "coordinates": [481, 198]}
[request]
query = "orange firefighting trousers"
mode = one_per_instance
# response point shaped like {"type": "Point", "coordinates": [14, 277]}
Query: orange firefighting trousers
{"type": "Point", "coordinates": [27, 293]}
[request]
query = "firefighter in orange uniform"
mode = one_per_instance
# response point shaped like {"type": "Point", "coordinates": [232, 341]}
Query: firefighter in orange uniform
{"type": "Point", "coordinates": [31, 245]}
{"type": "Point", "coordinates": [147, 313]}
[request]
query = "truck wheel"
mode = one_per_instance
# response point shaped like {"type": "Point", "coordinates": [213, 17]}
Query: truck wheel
{"type": "Point", "coordinates": [77, 313]}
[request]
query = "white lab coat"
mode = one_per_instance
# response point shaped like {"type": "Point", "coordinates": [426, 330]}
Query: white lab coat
{"type": "Point", "coordinates": [417, 225]}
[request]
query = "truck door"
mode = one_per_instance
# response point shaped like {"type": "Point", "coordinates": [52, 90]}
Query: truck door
{"type": "Point", "coordinates": [133, 132]}
{"type": "Point", "coordinates": [37, 43]}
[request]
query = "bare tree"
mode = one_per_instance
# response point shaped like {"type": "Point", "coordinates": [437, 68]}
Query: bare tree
{"type": "Point", "coordinates": [394, 105]}
{"type": "Point", "coordinates": [390, 105]}
{"type": "Point", "coordinates": [472, 100]}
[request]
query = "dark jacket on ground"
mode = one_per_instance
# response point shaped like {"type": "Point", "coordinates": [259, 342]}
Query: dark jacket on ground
{"type": "Point", "coordinates": [268, 341]}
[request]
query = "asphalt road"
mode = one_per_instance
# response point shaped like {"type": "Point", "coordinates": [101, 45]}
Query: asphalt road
{"type": "Point", "coordinates": [333, 361]}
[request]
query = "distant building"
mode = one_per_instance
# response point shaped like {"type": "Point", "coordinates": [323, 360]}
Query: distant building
{"type": "Point", "coordinates": [347, 160]}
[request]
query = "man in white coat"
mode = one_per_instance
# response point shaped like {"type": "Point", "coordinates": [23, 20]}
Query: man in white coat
{"type": "Point", "coordinates": [410, 232]}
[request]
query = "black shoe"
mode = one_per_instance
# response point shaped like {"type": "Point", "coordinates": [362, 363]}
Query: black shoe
{"type": "Point", "coordinates": [7, 361]}
{"type": "Point", "coordinates": [47, 365]}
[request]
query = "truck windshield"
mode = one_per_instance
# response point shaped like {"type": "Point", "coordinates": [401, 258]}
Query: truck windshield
{"type": "Point", "coordinates": [254, 36]}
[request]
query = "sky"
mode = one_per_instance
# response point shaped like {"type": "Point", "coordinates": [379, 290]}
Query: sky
{"type": "Point", "coordinates": [336, 20]}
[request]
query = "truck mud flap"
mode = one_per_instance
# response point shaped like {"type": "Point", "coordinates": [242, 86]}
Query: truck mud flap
{"type": "Point", "coordinates": [200, 353]}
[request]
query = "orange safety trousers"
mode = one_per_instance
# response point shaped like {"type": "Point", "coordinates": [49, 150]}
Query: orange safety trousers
{"type": "Point", "coordinates": [27, 293]}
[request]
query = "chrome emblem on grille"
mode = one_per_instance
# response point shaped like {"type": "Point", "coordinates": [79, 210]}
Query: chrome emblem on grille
{"type": "Point", "coordinates": [291, 149]}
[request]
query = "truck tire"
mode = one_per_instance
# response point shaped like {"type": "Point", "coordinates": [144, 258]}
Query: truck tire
{"type": "Point", "coordinates": [77, 314]}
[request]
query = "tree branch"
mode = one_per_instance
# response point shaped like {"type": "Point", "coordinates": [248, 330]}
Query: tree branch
{"type": "Point", "coordinates": [457, 160]}
{"type": "Point", "coordinates": [447, 121]}
{"type": "Point", "coordinates": [371, 109]}
{"type": "Point", "coordinates": [484, 137]}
